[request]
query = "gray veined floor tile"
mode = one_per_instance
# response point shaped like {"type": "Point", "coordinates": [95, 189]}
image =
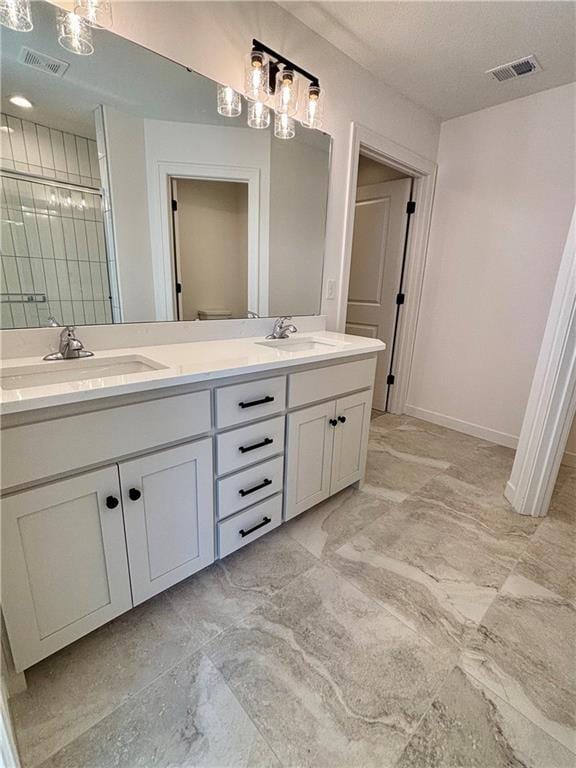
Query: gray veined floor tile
{"type": "Point", "coordinates": [435, 571]}
{"type": "Point", "coordinates": [563, 502]}
{"type": "Point", "coordinates": [524, 652]}
{"type": "Point", "coordinates": [188, 718]}
{"type": "Point", "coordinates": [228, 590]}
{"type": "Point", "coordinates": [328, 676]}
{"type": "Point", "coordinates": [333, 522]}
{"type": "Point", "coordinates": [394, 476]}
{"type": "Point", "coordinates": [467, 726]}
{"type": "Point", "coordinates": [73, 689]}
{"type": "Point", "coordinates": [488, 467]}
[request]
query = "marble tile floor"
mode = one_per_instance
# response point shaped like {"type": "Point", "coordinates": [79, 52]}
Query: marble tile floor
{"type": "Point", "coordinates": [416, 623]}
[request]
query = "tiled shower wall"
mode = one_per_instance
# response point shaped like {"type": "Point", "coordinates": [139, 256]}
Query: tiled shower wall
{"type": "Point", "coordinates": [51, 238]}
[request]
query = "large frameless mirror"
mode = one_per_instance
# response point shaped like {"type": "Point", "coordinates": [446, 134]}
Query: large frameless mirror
{"type": "Point", "coordinates": [126, 197]}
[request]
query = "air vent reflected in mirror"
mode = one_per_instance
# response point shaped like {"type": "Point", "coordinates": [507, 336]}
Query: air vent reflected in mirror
{"type": "Point", "coordinates": [42, 61]}
{"type": "Point", "coordinates": [526, 66]}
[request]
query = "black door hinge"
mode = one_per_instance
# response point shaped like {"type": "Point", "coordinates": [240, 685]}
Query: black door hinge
{"type": "Point", "coordinates": [178, 287]}
{"type": "Point", "coordinates": [400, 298]}
{"type": "Point", "coordinates": [411, 207]}
{"type": "Point", "coordinates": [390, 378]}
{"type": "Point", "coordinates": [174, 205]}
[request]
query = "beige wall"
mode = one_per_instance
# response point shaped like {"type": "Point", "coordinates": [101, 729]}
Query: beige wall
{"type": "Point", "coordinates": [570, 457]}
{"type": "Point", "coordinates": [371, 172]}
{"type": "Point", "coordinates": [212, 223]}
{"type": "Point", "coordinates": [504, 198]}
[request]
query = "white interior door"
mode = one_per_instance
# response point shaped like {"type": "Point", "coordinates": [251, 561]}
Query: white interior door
{"type": "Point", "coordinates": [377, 252]}
{"type": "Point", "coordinates": [64, 565]}
{"type": "Point", "coordinates": [169, 514]}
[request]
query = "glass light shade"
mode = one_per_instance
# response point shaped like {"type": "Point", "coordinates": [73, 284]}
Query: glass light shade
{"type": "Point", "coordinates": [258, 115]}
{"type": "Point", "coordinates": [96, 13]}
{"type": "Point", "coordinates": [286, 102]}
{"type": "Point", "coordinates": [74, 34]}
{"type": "Point", "coordinates": [314, 108]}
{"type": "Point", "coordinates": [256, 76]}
{"type": "Point", "coordinates": [284, 127]}
{"type": "Point", "coordinates": [229, 101]}
{"type": "Point", "coordinates": [15, 14]}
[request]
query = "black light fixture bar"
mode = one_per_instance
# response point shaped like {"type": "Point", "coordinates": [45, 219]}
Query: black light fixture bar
{"type": "Point", "coordinates": [261, 48]}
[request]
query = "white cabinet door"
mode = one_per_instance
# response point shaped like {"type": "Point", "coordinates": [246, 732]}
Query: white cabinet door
{"type": "Point", "coordinates": [350, 439]}
{"type": "Point", "coordinates": [309, 457]}
{"type": "Point", "coordinates": [64, 566]}
{"type": "Point", "coordinates": [169, 513]}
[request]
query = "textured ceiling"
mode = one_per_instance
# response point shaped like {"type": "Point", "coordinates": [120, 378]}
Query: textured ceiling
{"type": "Point", "coordinates": [436, 53]}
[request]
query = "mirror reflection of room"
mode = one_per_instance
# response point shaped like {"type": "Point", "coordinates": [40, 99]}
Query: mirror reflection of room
{"type": "Point", "coordinates": [93, 152]}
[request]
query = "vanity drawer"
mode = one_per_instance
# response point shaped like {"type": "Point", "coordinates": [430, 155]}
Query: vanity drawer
{"type": "Point", "coordinates": [245, 402]}
{"type": "Point", "coordinates": [249, 525]}
{"type": "Point", "coordinates": [100, 436]}
{"type": "Point", "coordinates": [249, 486]}
{"type": "Point", "coordinates": [247, 445]}
{"type": "Point", "coordinates": [331, 381]}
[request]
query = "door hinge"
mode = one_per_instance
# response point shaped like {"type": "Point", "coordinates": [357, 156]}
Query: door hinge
{"type": "Point", "coordinates": [400, 298]}
{"type": "Point", "coordinates": [390, 378]}
{"type": "Point", "coordinates": [178, 287]}
{"type": "Point", "coordinates": [411, 207]}
{"type": "Point", "coordinates": [174, 205]}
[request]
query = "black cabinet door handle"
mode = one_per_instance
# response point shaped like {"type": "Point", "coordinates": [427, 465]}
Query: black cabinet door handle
{"type": "Point", "coordinates": [112, 502]}
{"type": "Point", "coordinates": [333, 423]}
{"type": "Point", "coordinates": [246, 448]}
{"type": "Point", "coordinates": [264, 522]}
{"type": "Point", "coordinates": [342, 419]}
{"type": "Point", "coordinates": [262, 401]}
{"type": "Point", "coordinates": [134, 494]}
{"type": "Point", "coordinates": [246, 491]}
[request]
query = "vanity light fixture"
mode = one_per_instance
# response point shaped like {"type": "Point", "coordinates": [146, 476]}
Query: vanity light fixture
{"type": "Point", "coordinates": [229, 101]}
{"type": "Point", "coordinates": [314, 107]}
{"type": "Point", "coordinates": [21, 101]}
{"type": "Point", "coordinates": [284, 126]}
{"type": "Point", "coordinates": [74, 34]}
{"type": "Point", "coordinates": [286, 102]}
{"type": "Point", "coordinates": [96, 13]}
{"type": "Point", "coordinates": [256, 76]}
{"type": "Point", "coordinates": [258, 115]}
{"type": "Point", "coordinates": [15, 14]}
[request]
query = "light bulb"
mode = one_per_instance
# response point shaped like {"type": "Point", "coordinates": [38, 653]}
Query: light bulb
{"type": "Point", "coordinates": [258, 115]}
{"type": "Point", "coordinates": [284, 127]}
{"type": "Point", "coordinates": [74, 34]}
{"type": "Point", "coordinates": [229, 101]}
{"type": "Point", "coordinates": [314, 107]}
{"type": "Point", "coordinates": [256, 76]}
{"type": "Point", "coordinates": [286, 92]}
{"type": "Point", "coordinates": [15, 14]}
{"type": "Point", "coordinates": [96, 13]}
{"type": "Point", "coordinates": [21, 101]}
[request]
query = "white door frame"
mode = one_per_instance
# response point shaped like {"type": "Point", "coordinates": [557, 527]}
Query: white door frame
{"type": "Point", "coordinates": [395, 155]}
{"type": "Point", "coordinates": [162, 238]}
{"type": "Point", "coordinates": [552, 400]}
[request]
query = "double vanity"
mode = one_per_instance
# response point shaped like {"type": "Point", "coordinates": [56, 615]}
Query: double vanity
{"type": "Point", "coordinates": [126, 472]}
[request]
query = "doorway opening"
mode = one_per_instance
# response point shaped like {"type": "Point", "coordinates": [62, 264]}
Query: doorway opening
{"type": "Point", "coordinates": [382, 211]}
{"type": "Point", "coordinates": [210, 248]}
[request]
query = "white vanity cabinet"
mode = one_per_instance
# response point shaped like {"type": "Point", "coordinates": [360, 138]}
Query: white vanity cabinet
{"type": "Point", "coordinates": [64, 563]}
{"type": "Point", "coordinates": [168, 513]}
{"type": "Point", "coordinates": [326, 450]}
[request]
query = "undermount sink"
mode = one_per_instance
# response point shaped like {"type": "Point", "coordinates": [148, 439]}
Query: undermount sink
{"type": "Point", "coordinates": [61, 371]}
{"type": "Point", "coordinates": [298, 345]}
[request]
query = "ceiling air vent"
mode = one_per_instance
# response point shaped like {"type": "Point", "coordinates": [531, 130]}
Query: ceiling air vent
{"type": "Point", "coordinates": [519, 68]}
{"type": "Point", "coordinates": [41, 61]}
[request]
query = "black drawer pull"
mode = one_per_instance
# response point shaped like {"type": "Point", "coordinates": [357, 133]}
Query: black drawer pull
{"type": "Point", "coordinates": [342, 419]}
{"type": "Point", "coordinates": [262, 401]}
{"type": "Point", "coordinates": [246, 448]}
{"type": "Point", "coordinates": [247, 491]}
{"type": "Point", "coordinates": [264, 522]}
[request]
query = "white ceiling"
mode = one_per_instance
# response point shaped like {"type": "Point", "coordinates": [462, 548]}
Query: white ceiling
{"type": "Point", "coordinates": [436, 53]}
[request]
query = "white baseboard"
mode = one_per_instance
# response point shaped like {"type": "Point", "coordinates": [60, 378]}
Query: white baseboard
{"type": "Point", "coordinates": [569, 459]}
{"type": "Point", "coordinates": [468, 427]}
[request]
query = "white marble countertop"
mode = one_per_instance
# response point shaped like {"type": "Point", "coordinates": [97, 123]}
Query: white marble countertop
{"type": "Point", "coordinates": [185, 363]}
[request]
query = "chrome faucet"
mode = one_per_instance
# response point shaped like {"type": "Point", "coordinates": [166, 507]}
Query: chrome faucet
{"type": "Point", "coordinates": [280, 330]}
{"type": "Point", "coordinates": [71, 348]}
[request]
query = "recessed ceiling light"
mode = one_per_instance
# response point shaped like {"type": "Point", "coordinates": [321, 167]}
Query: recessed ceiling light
{"type": "Point", "coordinates": [21, 101]}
